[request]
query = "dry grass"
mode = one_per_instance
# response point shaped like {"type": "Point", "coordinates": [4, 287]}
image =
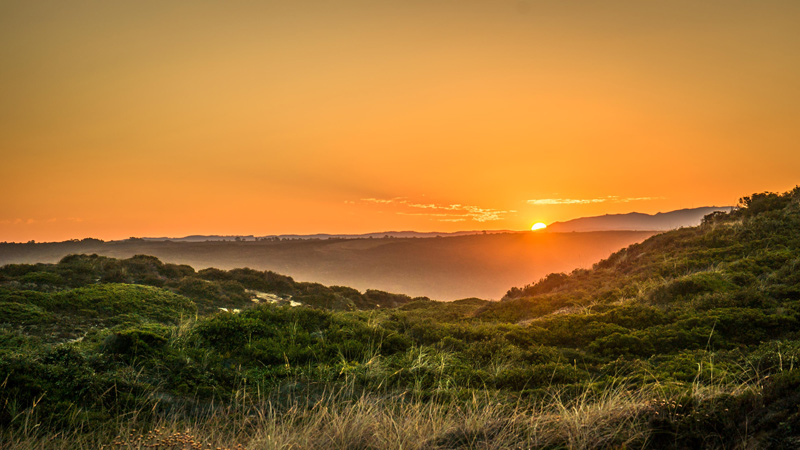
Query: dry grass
{"type": "Point", "coordinates": [344, 416]}
{"type": "Point", "coordinates": [614, 417]}
{"type": "Point", "coordinates": [347, 417]}
{"type": "Point", "coordinates": [342, 420]}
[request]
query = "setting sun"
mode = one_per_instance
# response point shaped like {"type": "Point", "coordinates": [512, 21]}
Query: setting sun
{"type": "Point", "coordinates": [538, 226]}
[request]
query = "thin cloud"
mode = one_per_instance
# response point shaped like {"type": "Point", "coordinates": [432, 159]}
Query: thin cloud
{"type": "Point", "coordinates": [444, 213]}
{"type": "Point", "coordinates": [382, 200]}
{"type": "Point", "coordinates": [566, 201]}
{"type": "Point", "coordinates": [586, 201]}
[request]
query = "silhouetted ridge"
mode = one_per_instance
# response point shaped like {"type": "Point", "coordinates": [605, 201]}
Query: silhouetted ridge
{"type": "Point", "coordinates": [638, 221]}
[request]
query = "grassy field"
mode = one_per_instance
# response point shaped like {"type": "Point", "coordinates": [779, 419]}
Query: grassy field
{"type": "Point", "coordinates": [686, 340]}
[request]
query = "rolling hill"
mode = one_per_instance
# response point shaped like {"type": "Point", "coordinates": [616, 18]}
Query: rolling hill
{"type": "Point", "coordinates": [689, 339]}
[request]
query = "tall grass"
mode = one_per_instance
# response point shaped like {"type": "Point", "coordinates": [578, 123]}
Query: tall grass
{"type": "Point", "coordinates": [363, 413]}
{"type": "Point", "coordinates": [344, 417]}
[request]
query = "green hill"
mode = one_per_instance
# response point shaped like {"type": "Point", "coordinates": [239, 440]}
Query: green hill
{"type": "Point", "coordinates": [686, 340]}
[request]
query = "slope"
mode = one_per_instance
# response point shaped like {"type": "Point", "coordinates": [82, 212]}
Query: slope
{"type": "Point", "coordinates": [690, 339]}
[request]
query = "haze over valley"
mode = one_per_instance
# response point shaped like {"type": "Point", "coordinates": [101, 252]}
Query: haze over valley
{"type": "Point", "coordinates": [441, 266]}
{"type": "Point", "coordinates": [446, 268]}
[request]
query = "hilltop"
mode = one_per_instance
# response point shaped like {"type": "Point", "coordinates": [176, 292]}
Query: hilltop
{"type": "Point", "coordinates": [638, 221]}
{"type": "Point", "coordinates": [689, 339]}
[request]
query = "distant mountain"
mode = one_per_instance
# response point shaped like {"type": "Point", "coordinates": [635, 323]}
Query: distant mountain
{"type": "Point", "coordinates": [610, 222]}
{"type": "Point", "coordinates": [390, 234]}
{"type": "Point", "coordinates": [638, 221]}
{"type": "Point", "coordinates": [378, 235]}
{"type": "Point", "coordinates": [200, 238]}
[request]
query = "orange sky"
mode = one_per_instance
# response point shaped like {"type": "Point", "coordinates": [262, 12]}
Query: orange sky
{"type": "Point", "coordinates": [170, 118]}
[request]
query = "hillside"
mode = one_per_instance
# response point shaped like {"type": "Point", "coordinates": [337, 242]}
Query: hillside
{"type": "Point", "coordinates": [689, 339]}
{"type": "Point", "coordinates": [447, 268]}
{"type": "Point", "coordinates": [637, 221]}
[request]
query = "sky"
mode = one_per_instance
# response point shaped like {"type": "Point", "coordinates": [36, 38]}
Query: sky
{"type": "Point", "coordinates": [172, 118]}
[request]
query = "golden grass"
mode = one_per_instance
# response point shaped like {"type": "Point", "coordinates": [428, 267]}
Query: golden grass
{"type": "Point", "coordinates": [346, 417]}
{"type": "Point", "coordinates": [341, 420]}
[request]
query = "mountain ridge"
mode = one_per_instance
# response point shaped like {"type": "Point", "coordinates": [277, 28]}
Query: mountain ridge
{"type": "Point", "coordinates": [373, 235]}
{"type": "Point", "coordinates": [636, 221]}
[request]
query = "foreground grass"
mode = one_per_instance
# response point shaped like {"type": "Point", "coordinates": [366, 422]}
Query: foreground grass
{"type": "Point", "coordinates": [344, 417]}
{"type": "Point", "coordinates": [371, 422]}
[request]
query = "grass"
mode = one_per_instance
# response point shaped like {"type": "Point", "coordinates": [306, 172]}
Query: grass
{"type": "Point", "coordinates": [348, 417]}
{"type": "Point", "coordinates": [688, 340]}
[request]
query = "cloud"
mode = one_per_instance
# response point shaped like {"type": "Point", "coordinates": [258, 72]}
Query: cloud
{"type": "Point", "coordinates": [383, 201]}
{"type": "Point", "coordinates": [566, 201]}
{"type": "Point", "coordinates": [586, 201]}
{"type": "Point", "coordinates": [444, 213]}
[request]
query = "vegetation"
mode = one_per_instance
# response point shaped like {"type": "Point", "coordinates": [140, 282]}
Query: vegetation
{"type": "Point", "coordinates": [687, 340]}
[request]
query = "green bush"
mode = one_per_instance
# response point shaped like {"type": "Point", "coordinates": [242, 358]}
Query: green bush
{"type": "Point", "coordinates": [690, 286]}
{"type": "Point", "coordinates": [23, 313]}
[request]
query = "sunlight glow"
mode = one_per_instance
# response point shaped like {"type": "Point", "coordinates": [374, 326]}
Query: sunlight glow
{"type": "Point", "coordinates": [538, 226]}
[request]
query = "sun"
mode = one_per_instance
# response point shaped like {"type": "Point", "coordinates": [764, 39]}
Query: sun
{"type": "Point", "coordinates": [538, 226]}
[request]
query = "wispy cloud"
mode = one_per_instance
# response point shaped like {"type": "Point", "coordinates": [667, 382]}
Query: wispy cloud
{"type": "Point", "coordinates": [586, 201]}
{"type": "Point", "coordinates": [566, 201]}
{"type": "Point", "coordinates": [444, 213]}
{"type": "Point", "coordinates": [383, 200]}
